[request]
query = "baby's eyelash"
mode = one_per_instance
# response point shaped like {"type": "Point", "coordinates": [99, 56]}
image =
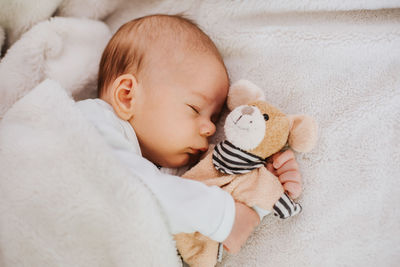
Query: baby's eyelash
{"type": "Point", "coordinates": [195, 109]}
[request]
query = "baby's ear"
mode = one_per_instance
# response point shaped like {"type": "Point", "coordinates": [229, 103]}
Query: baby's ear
{"type": "Point", "coordinates": [243, 92]}
{"type": "Point", "coordinates": [303, 132]}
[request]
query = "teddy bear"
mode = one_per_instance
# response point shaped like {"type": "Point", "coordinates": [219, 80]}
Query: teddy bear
{"type": "Point", "coordinates": [254, 131]}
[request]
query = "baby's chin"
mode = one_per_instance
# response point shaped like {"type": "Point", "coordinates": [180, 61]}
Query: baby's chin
{"type": "Point", "coordinates": [176, 161]}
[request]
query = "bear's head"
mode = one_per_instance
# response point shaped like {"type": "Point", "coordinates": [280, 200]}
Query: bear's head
{"type": "Point", "coordinates": [259, 128]}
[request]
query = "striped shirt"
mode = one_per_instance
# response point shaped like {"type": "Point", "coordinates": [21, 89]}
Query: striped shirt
{"type": "Point", "coordinates": [229, 159]}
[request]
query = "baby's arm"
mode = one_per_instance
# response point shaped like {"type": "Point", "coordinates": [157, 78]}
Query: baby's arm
{"type": "Point", "coordinates": [189, 205]}
{"type": "Point", "coordinates": [246, 219]}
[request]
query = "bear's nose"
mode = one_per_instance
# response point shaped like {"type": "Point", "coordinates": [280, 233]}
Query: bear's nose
{"type": "Point", "coordinates": [247, 110]}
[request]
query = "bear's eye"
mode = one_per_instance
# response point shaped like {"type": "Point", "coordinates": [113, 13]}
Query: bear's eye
{"type": "Point", "coordinates": [266, 117]}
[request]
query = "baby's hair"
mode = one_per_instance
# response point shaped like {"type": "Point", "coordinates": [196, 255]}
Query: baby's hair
{"type": "Point", "coordinates": [126, 51]}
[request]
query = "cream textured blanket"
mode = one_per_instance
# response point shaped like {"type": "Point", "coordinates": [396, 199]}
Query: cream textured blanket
{"type": "Point", "coordinates": [338, 61]}
{"type": "Point", "coordinates": [65, 201]}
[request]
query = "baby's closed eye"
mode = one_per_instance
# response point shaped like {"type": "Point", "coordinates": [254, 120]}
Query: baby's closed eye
{"type": "Point", "coordinates": [194, 108]}
{"type": "Point", "coordinates": [213, 118]}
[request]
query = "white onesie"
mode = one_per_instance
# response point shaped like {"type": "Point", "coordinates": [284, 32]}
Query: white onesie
{"type": "Point", "coordinates": [189, 205]}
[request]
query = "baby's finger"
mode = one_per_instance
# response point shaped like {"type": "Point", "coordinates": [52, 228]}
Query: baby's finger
{"type": "Point", "coordinates": [290, 176]}
{"type": "Point", "coordinates": [271, 168]}
{"type": "Point", "coordinates": [293, 189]}
{"type": "Point", "coordinates": [280, 158]}
{"type": "Point", "coordinates": [290, 165]}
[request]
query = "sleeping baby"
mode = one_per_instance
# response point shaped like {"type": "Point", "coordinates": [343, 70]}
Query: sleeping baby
{"type": "Point", "coordinates": [161, 87]}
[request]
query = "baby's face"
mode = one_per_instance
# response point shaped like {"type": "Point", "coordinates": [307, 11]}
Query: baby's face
{"type": "Point", "coordinates": [177, 106]}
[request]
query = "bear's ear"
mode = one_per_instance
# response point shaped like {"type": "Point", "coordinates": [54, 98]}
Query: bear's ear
{"type": "Point", "coordinates": [243, 92]}
{"type": "Point", "coordinates": [303, 132]}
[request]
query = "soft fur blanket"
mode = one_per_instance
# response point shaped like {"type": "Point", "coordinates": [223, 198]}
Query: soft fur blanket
{"type": "Point", "coordinates": [338, 61]}
{"type": "Point", "coordinates": [63, 49]}
{"type": "Point", "coordinates": [65, 201]}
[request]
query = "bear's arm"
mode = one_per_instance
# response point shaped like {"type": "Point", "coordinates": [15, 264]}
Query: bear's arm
{"type": "Point", "coordinates": [204, 171]}
{"type": "Point", "coordinates": [257, 188]}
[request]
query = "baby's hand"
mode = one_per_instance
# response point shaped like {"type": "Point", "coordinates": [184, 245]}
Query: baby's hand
{"type": "Point", "coordinates": [246, 219]}
{"type": "Point", "coordinates": [285, 167]}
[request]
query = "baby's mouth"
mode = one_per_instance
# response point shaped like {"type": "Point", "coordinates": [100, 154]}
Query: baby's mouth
{"type": "Point", "coordinates": [197, 151]}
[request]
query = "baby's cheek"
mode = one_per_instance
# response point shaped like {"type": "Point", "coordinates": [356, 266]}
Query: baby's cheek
{"type": "Point", "coordinates": [187, 130]}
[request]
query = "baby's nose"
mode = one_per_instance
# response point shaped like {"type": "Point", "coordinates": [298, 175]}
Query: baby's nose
{"type": "Point", "coordinates": [247, 110]}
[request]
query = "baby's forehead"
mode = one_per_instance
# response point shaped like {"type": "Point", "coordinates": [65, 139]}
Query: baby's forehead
{"type": "Point", "coordinates": [171, 37]}
{"type": "Point", "coordinates": [170, 51]}
{"type": "Point", "coordinates": [174, 30]}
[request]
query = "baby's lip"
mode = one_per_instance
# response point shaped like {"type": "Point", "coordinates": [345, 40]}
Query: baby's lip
{"type": "Point", "coordinates": [198, 150]}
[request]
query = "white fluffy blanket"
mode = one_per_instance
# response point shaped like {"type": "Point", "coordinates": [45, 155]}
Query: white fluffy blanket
{"type": "Point", "coordinates": [65, 201]}
{"type": "Point", "coordinates": [63, 49]}
{"type": "Point", "coordinates": [338, 61]}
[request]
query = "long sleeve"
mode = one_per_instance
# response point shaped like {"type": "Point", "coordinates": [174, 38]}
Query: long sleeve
{"type": "Point", "coordinates": [189, 206]}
